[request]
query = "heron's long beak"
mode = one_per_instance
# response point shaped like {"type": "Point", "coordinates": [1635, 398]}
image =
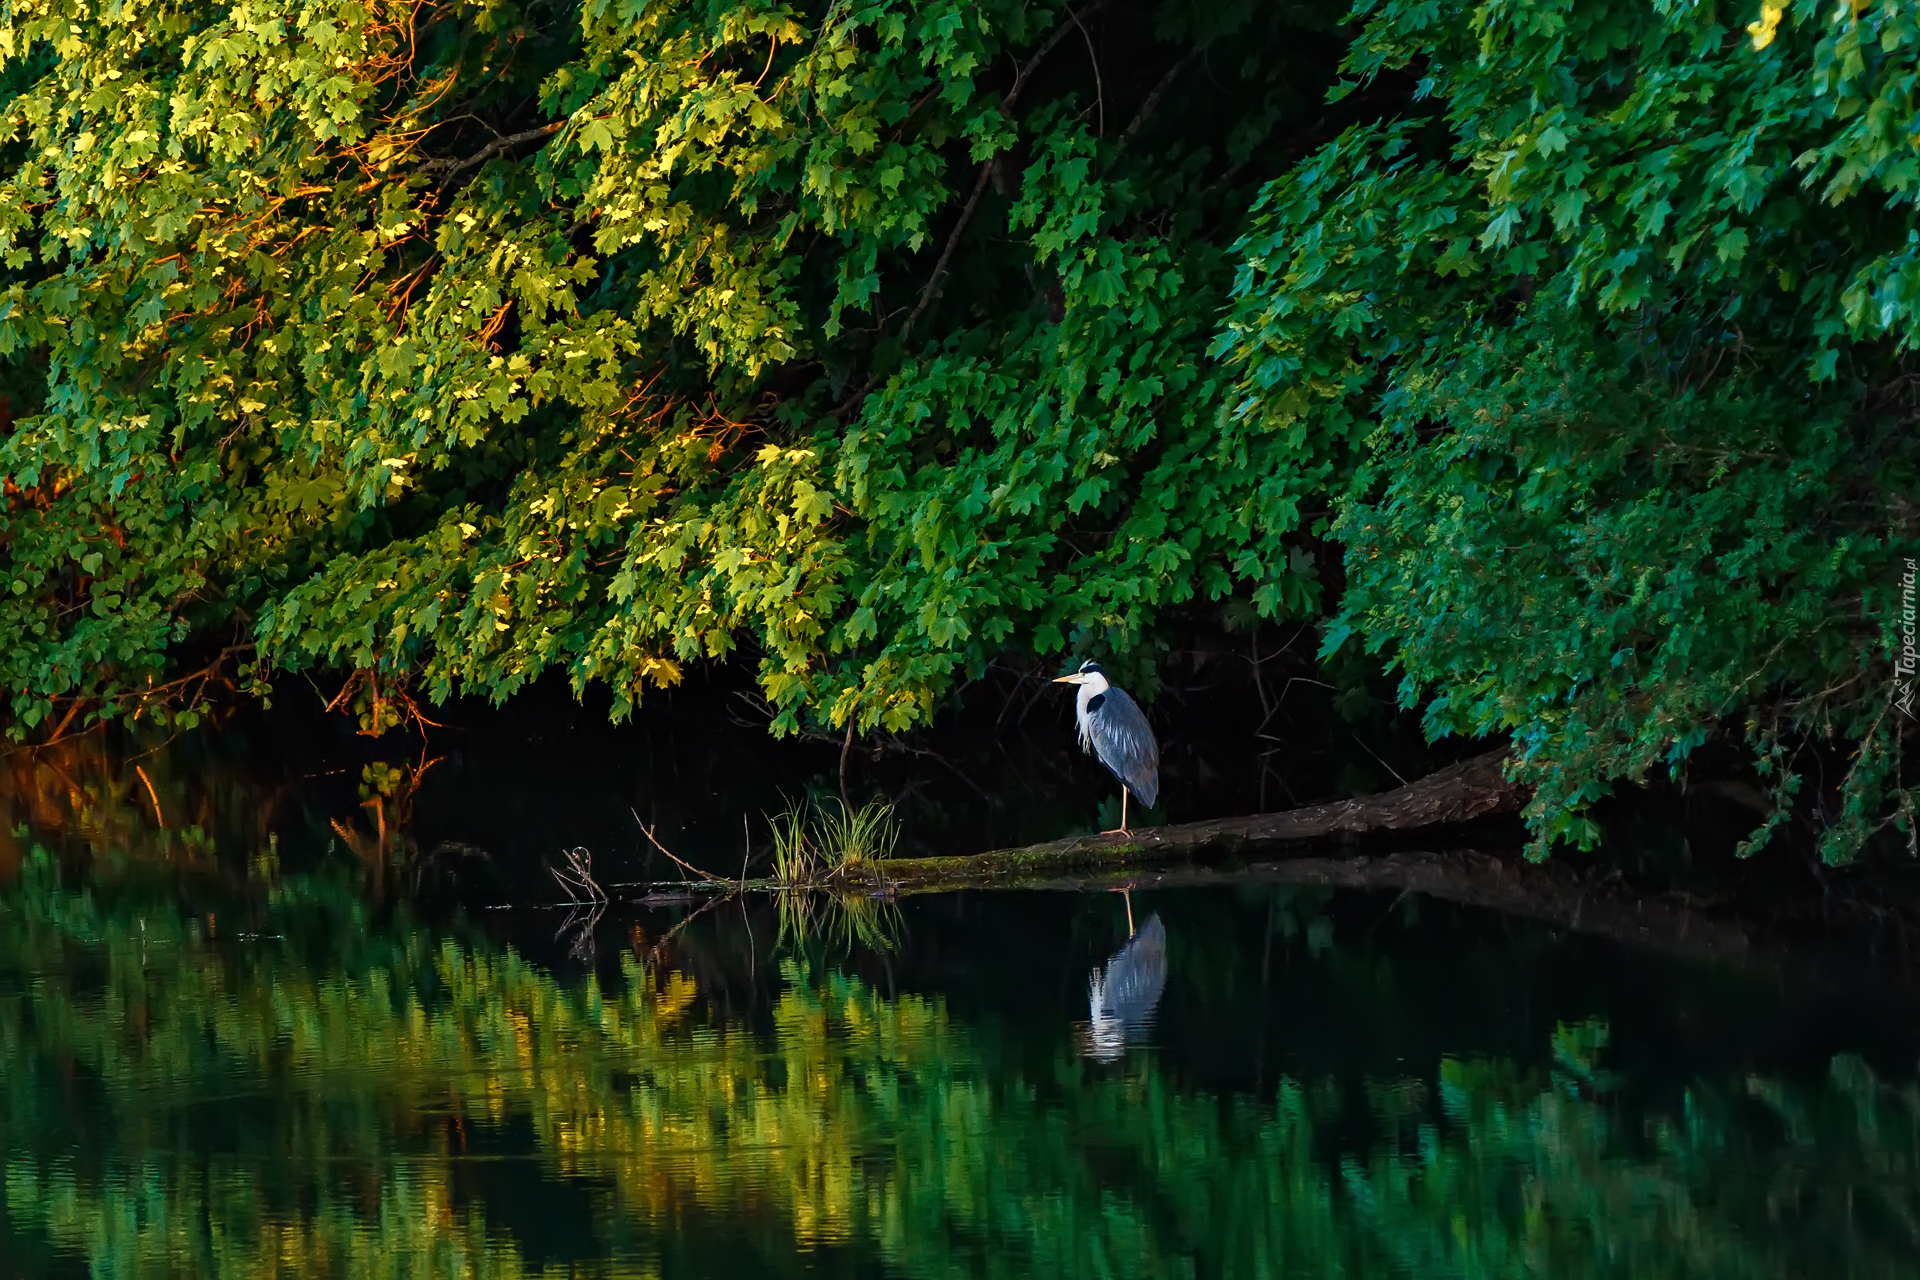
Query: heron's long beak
{"type": "Point", "coordinates": [1075, 678]}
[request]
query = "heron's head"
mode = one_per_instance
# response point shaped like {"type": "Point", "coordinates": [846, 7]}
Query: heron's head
{"type": "Point", "coordinates": [1089, 673]}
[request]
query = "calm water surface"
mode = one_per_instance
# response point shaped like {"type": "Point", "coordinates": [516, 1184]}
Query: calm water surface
{"type": "Point", "coordinates": [272, 1049]}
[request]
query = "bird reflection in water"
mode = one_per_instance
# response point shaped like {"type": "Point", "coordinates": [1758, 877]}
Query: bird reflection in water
{"type": "Point", "coordinates": [1123, 993]}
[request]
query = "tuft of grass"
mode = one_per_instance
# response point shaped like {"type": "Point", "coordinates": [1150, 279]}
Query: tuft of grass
{"type": "Point", "coordinates": [813, 848]}
{"type": "Point", "coordinates": [858, 838]}
{"type": "Point", "coordinates": [794, 860]}
{"type": "Point", "coordinates": [807, 852]}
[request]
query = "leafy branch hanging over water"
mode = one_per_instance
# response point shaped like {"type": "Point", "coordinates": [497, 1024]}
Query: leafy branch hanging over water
{"type": "Point", "coordinates": [1630, 326]}
{"type": "Point", "coordinates": [455, 344]}
{"type": "Point", "coordinates": [440, 347]}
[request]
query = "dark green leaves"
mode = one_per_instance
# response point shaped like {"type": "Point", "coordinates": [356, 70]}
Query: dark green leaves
{"type": "Point", "coordinates": [1647, 438]}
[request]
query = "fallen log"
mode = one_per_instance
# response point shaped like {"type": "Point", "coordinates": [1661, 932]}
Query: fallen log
{"type": "Point", "coordinates": [1459, 793]}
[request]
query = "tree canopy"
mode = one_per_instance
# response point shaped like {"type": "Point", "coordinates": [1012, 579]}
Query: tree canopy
{"type": "Point", "coordinates": [1556, 351]}
{"type": "Point", "coordinates": [1631, 321]}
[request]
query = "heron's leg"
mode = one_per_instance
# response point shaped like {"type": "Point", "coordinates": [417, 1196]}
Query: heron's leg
{"type": "Point", "coordinates": [1123, 810]}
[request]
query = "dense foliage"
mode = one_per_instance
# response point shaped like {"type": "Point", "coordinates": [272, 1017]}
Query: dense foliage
{"type": "Point", "coordinates": [442, 346]}
{"type": "Point", "coordinates": [450, 345]}
{"type": "Point", "coordinates": [1632, 321]}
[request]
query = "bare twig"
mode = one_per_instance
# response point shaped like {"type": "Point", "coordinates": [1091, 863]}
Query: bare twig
{"type": "Point", "coordinates": [1039, 55]}
{"type": "Point", "coordinates": [1099, 89]}
{"type": "Point", "coordinates": [946, 254]}
{"type": "Point", "coordinates": [1383, 764]}
{"type": "Point", "coordinates": [581, 947]}
{"type": "Point", "coordinates": [680, 862]}
{"type": "Point", "coordinates": [845, 747]}
{"type": "Point", "coordinates": [929, 753]}
{"type": "Point", "coordinates": [753, 947]}
{"type": "Point", "coordinates": [705, 907]}
{"type": "Point", "coordinates": [1285, 689]}
{"type": "Point", "coordinates": [772, 48]}
{"type": "Point", "coordinates": [65, 720]}
{"type": "Point", "coordinates": [580, 861]}
{"type": "Point", "coordinates": [152, 795]}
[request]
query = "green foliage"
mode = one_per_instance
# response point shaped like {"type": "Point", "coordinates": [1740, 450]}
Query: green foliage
{"type": "Point", "coordinates": [441, 347]}
{"type": "Point", "coordinates": [1629, 323]}
{"type": "Point", "coordinates": [449, 345]}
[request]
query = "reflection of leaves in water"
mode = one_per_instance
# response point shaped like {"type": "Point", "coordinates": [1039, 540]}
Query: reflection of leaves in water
{"type": "Point", "coordinates": [370, 1057]}
{"type": "Point", "coordinates": [94, 799]}
{"type": "Point", "coordinates": [1576, 1054]}
{"type": "Point", "coordinates": [176, 809]}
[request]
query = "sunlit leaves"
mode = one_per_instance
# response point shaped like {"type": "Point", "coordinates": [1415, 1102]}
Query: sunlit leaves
{"type": "Point", "coordinates": [466, 343]}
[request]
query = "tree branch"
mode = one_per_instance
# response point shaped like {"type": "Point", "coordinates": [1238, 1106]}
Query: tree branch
{"type": "Point", "coordinates": [1046, 47]}
{"type": "Point", "coordinates": [451, 166]}
{"type": "Point", "coordinates": [946, 254]}
{"type": "Point", "coordinates": [1099, 86]}
{"type": "Point", "coordinates": [979, 185]}
{"type": "Point", "coordinates": [1159, 91]}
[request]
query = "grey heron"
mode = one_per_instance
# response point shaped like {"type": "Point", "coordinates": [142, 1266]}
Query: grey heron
{"type": "Point", "coordinates": [1113, 727]}
{"type": "Point", "coordinates": [1123, 993]}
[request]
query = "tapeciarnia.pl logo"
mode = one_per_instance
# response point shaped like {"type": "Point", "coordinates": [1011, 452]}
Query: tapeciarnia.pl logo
{"type": "Point", "coordinates": [1905, 662]}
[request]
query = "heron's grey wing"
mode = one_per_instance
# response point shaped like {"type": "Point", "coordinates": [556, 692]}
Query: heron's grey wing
{"type": "Point", "coordinates": [1124, 741]}
{"type": "Point", "coordinates": [1131, 985]}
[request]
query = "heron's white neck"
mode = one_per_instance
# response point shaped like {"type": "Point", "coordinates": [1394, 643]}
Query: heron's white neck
{"type": "Point", "coordinates": [1095, 684]}
{"type": "Point", "coordinates": [1107, 1036]}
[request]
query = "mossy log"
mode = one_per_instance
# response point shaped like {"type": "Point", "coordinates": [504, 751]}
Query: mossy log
{"type": "Point", "coordinates": [1457, 794]}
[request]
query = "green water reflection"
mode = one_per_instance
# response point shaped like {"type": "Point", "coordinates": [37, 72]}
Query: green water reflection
{"type": "Point", "coordinates": [357, 1095]}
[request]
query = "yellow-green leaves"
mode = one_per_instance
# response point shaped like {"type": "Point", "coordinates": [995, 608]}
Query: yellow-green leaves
{"type": "Point", "coordinates": [458, 344]}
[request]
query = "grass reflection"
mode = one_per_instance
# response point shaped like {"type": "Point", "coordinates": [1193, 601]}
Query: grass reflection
{"type": "Point", "coordinates": [351, 1098]}
{"type": "Point", "coordinates": [843, 922]}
